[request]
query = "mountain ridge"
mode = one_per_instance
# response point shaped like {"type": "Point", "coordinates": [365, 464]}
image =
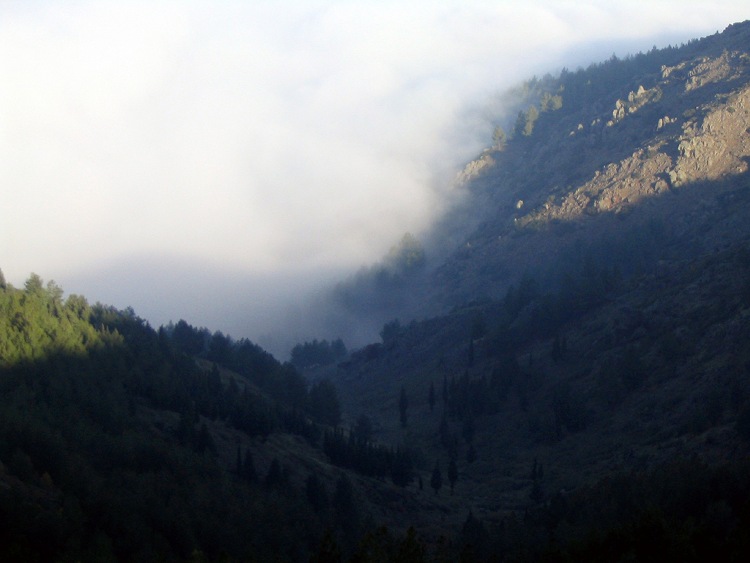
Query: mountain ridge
{"type": "Point", "coordinates": [612, 293]}
{"type": "Point", "coordinates": [702, 140]}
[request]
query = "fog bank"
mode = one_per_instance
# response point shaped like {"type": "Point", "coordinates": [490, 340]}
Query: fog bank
{"type": "Point", "coordinates": [219, 161]}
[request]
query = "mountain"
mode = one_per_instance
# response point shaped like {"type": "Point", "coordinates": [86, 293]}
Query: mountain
{"type": "Point", "coordinates": [592, 321]}
{"type": "Point", "coordinates": [621, 140]}
{"type": "Point", "coordinates": [563, 371]}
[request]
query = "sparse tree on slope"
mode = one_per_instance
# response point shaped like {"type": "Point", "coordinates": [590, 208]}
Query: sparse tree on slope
{"type": "Point", "coordinates": [436, 481]}
{"type": "Point", "coordinates": [452, 473]}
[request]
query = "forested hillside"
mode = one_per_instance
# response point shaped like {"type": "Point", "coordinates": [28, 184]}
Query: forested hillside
{"type": "Point", "coordinates": [121, 442]}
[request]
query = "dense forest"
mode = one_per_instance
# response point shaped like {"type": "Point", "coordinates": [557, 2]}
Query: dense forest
{"type": "Point", "coordinates": [114, 441]}
{"type": "Point", "coordinates": [112, 436]}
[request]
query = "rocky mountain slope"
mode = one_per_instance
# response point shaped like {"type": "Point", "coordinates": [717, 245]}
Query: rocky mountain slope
{"type": "Point", "coordinates": [629, 135]}
{"type": "Point", "coordinates": [595, 321]}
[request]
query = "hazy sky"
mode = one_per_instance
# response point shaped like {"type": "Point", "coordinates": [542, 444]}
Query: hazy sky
{"type": "Point", "coordinates": [156, 153]}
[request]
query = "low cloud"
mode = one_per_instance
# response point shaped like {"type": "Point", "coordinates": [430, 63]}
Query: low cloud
{"type": "Point", "coordinates": [277, 144]}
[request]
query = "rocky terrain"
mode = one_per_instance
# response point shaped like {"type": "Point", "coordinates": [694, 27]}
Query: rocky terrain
{"type": "Point", "coordinates": [597, 318]}
{"type": "Point", "coordinates": [649, 137]}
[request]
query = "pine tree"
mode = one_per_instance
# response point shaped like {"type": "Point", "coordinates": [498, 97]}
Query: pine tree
{"type": "Point", "coordinates": [401, 467]}
{"type": "Point", "coordinates": [445, 436]}
{"type": "Point", "coordinates": [275, 476]}
{"type": "Point", "coordinates": [324, 403]}
{"type": "Point", "coordinates": [499, 137]}
{"type": "Point", "coordinates": [452, 473]}
{"type": "Point", "coordinates": [345, 506]}
{"type": "Point", "coordinates": [249, 473]}
{"type": "Point", "coordinates": [328, 551]}
{"type": "Point", "coordinates": [436, 481]}
{"type": "Point", "coordinates": [411, 549]}
{"type": "Point", "coordinates": [316, 493]}
{"type": "Point", "coordinates": [204, 441]}
{"type": "Point", "coordinates": [556, 353]}
{"type": "Point", "coordinates": [403, 404]}
{"type": "Point", "coordinates": [471, 454]}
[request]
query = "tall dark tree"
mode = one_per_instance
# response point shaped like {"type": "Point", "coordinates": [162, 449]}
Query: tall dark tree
{"type": "Point", "coordinates": [478, 327]}
{"type": "Point", "coordinates": [403, 405]}
{"type": "Point", "coordinates": [556, 353]}
{"type": "Point", "coordinates": [220, 348]}
{"type": "Point", "coordinates": [436, 481]}
{"type": "Point", "coordinates": [363, 430]}
{"type": "Point", "coordinates": [474, 538]}
{"type": "Point", "coordinates": [411, 549]}
{"type": "Point", "coordinates": [249, 473]}
{"type": "Point", "coordinates": [390, 331]}
{"type": "Point", "coordinates": [401, 467]}
{"type": "Point", "coordinates": [468, 428]}
{"type": "Point", "coordinates": [338, 348]}
{"type": "Point", "coordinates": [316, 492]}
{"type": "Point", "coordinates": [445, 434]}
{"type": "Point", "coordinates": [452, 473]}
{"type": "Point", "coordinates": [275, 477]}
{"type": "Point", "coordinates": [328, 551]}
{"type": "Point", "coordinates": [187, 339]}
{"type": "Point", "coordinates": [346, 509]}
{"type": "Point", "coordinates": [471, 454]}
{"type": "Point", "coordinates": [324, 403]}
{"type": "Point", "coordinates": [204, 440]}
{"type": "Point", "coordinates": [320, 353]}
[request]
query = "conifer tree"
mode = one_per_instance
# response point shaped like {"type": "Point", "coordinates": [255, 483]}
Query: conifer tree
{"type": "Point", "coordinates": [328, 551]}
{"type": "Point", "coordinates": [499, 138]}
{"type": "Point", "coordinates": [345, 506]}
{"type": "Point", "coordinates": [445, 437]}
{"type": "Point", "coordinates": [452, 473]}
{"type": "Point", "coordinates": [275, 476]}
{"type": "Point", "coordinates": [316, 492]}
{"type": "Point", "coordinates": [403, 404]}
{"type": "Point", "coordinates": [471, 454]}
{"type": "Point", "coordinates": [436, 481]}
{"type": "Point", "coordinates": [411, 549]}
{"type": "Point", "coordinates": [249, 473]}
